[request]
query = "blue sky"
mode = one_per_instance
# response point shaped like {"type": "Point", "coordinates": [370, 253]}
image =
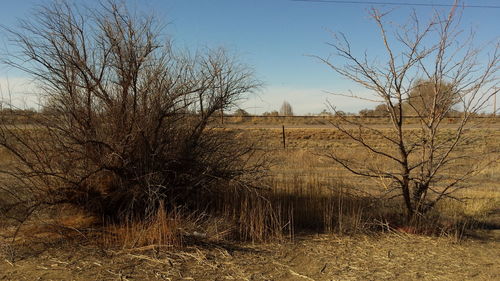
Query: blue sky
{"type": "Point", "coordinates": [275, 37]}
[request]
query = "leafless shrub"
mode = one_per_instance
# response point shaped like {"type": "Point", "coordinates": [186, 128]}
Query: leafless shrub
{"type": "Point", "coordinates": [429, 68]}
{"type": "Point", "coordinates": [125, 123]}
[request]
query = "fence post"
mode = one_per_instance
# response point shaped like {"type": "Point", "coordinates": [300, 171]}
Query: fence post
{"type": "Point", "coordinates": [284, 144]}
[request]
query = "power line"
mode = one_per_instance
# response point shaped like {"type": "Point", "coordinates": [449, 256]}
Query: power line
{"type": "Point", "coordinates": [397, 3]}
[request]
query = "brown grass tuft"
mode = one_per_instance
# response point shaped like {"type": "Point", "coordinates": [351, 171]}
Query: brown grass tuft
{"type": "Point", "coordinates": [159, 230]}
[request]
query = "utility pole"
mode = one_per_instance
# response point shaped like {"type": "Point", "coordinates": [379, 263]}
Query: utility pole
{"type": "Point", "coordinates": [495, 104]}
{"type": "Point", "coordinates": [284, 143]}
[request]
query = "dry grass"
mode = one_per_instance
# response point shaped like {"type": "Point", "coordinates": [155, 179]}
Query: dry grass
{"type": "Point", "coordinates": [158, 231]}
{"type": "Point", "coordinates": [305, 195]}
{"type": "Point", "coordinates": [324, 120]}
{"type": "Point", "coordinates": [302, 170]}
{"type": "Point", "coordinates": [305, 192]}
{"type": "Point", "coordinates": [396, 256]}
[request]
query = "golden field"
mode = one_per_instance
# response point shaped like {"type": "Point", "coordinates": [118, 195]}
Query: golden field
{"type": "Point", "coordinates": [332, 226]}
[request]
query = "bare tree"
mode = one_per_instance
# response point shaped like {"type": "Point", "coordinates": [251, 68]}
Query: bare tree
{"type": "Point", "coordinates": [423, 164]}
{"type": "Point", "coordinates": [286, 109]}
{"type": "Point", "coordinates": [378, 111]}
{"type": "Point", "coordinates": [425, 98]}
{"type": "Point", "coordinates": [126, 119]}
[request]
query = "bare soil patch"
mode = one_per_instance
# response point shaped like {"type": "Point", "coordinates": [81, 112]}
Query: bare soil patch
{"type": "Point", "coordinates": [390, 256]}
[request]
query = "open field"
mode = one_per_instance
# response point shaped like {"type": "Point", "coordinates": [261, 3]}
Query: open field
{"type": "Point", "coordinates": [325, 121]}
{"type": "Point", "coordinates": [334, 238]}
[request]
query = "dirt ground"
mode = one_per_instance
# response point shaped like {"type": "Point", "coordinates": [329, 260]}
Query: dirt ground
{"type": "Point", "coordinates": [389, 256]}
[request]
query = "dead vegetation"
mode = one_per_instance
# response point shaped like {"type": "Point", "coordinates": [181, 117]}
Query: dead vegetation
{"type": "Point", "coordinates": [427, 69]}
{"type": "Point", "coordinates": [318, 257]}
{"type": "Point", "coordinates": [137, 171]}
{"type": "Point", "coordinates": [125, 115]}
{"type": "Point", "coordinates": [306, 195]}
